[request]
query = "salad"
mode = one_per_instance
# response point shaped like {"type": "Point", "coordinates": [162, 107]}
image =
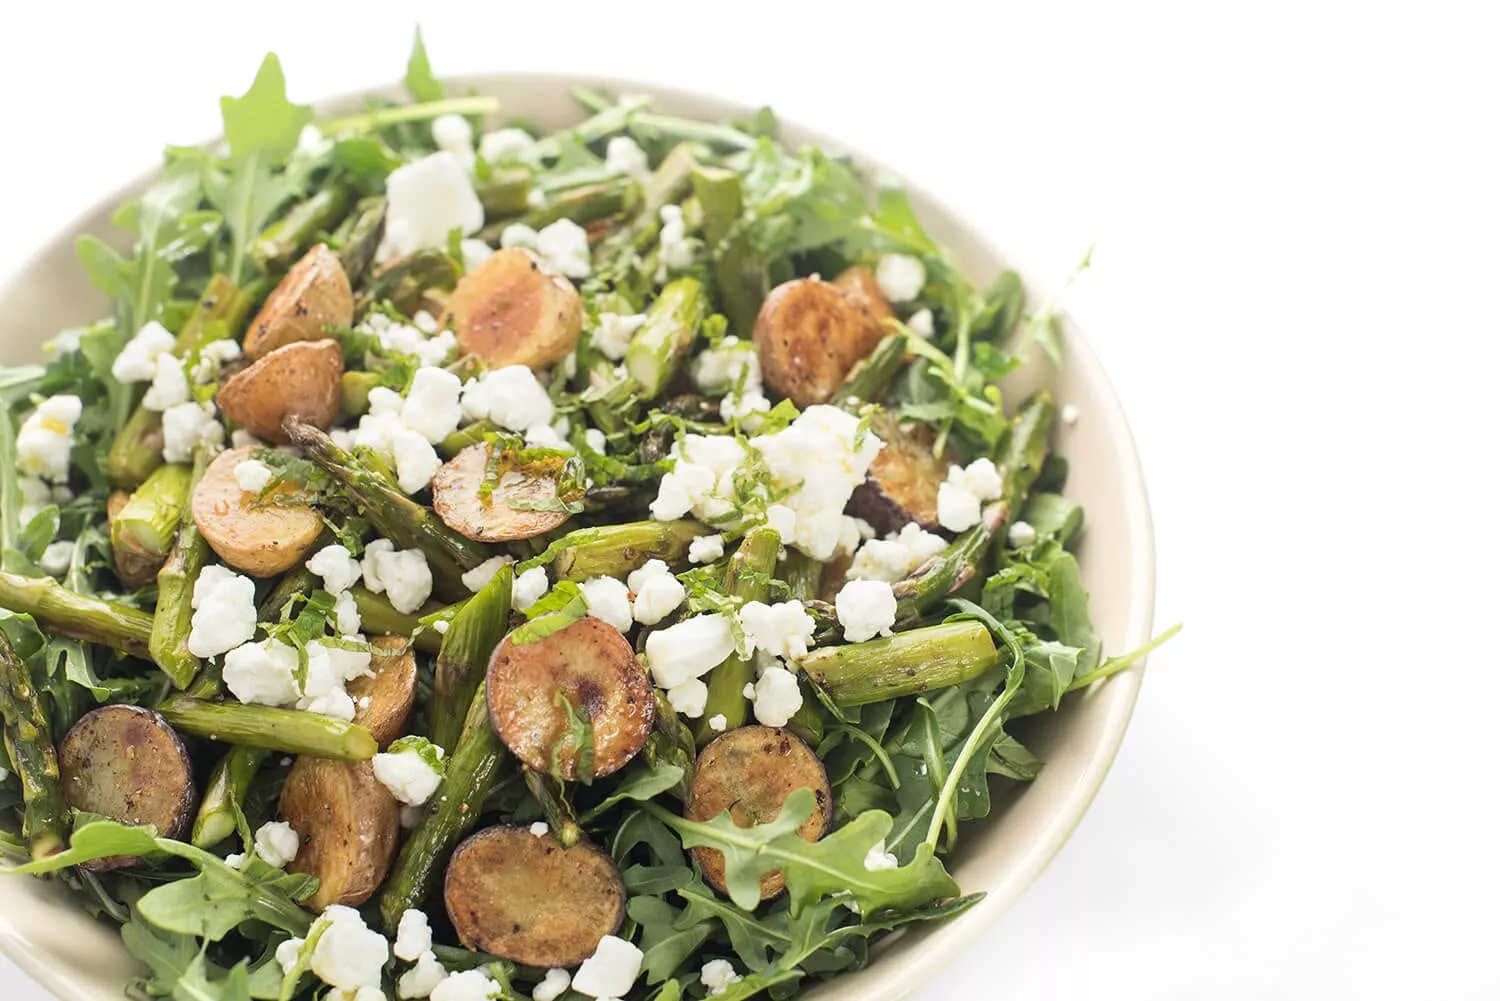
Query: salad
{"type": "Point", "coordinates": [472, 562]}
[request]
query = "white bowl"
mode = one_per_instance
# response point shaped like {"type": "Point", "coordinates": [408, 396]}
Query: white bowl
{"type": "Point", "coordinates": [83, 960]}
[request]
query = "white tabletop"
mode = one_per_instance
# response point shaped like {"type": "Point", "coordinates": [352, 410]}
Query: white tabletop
{"type": "Point", "coordinates": [1294, 291]}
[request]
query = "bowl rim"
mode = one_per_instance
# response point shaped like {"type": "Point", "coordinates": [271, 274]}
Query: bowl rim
{"type": "Point", "coordinates": [959, 934]}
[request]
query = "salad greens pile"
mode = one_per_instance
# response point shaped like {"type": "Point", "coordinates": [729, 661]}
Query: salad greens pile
{"type": "Point", "coordinates": [438, 483]}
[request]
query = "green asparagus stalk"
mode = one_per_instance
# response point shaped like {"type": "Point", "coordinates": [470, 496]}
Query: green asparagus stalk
{"type": "Point", "coordinates": [668, 183]}
{"type": "Point", "coordinates": [394, 515]}
{"type": "Point", "coordinates": [908, 663]}
{"type": "Point", "coordinates": [174, 593]}
{"type": "Point", "coordinates": [222, 809]}
{"type": "Point", "coordinates": [867, 380]}
{"type": "Point", "coordinates": [136, 450]}
{"type": "Point", "coordinates": [291, 731]}
{"type": "Point", "coordinates": [379, 617]}
{"type": "Point", "coordinates": [504, 193]}
{"type": "Point", "coordinates": [545, 790]}
{"type": "Point", "coordinates": [738, 271]}
{"type": "Point", "coordinates": [358, 251]}
{"type": "Point", "coordinates": [354, 392]}
{"type": "Point", "coordinates": [802, 573]}
{"type": "Point", "coordinates": [616, 550]}
{"type": "Point", "coordinates": [147, 524]}
{"type": "Point", "coordinates": [287, 237]}
{"type": "Point", "coordinates": [222, 312]}
{"type": "Point", "coordinates": [28, 744]}
{"type": "Point", "coordinates": [1053, 514]}
{"type": "Point", "coordinates": [1022, 451]}
{"type": "Point", "coordinates": [717, 135]}
{"type": "Point", "coordinates": [585, 204]}
{"type": "Point", "coordinates": [469, 434]}
{"type": "Point", "coordinates": [659, 346]}
{"type": "Point", "coordinates": [748, 577]}
{"type": "Point", "coordinates": [64, 613]}
{"type": "Point", "coordinates": [454, 809]}
{"type": "Point", "coordinates": [464, 657]}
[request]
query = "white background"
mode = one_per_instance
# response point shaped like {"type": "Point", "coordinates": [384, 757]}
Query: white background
{"type": "Point", "coordinates": [1295, 208]}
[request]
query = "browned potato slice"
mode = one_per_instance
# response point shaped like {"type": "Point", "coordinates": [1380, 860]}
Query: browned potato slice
{"type": "Point", "coordinates": [902, 484]}
{"type": "Point", "coordinates": [530, 900]}
{"type": "Point", "coordinates": [349, 823]}
{"type": "Point", "coordinates": [133, 569]}
{"type": "Point", "coordinates": [809, 334]}
{"type": "Point", "coordinates": [262, 539]}
{"type": "Point", "coordinates": [313, 295]}
{"type": "Point", "coordinates": [513, 311]}
{"type": "Point", "coordinates": [302, 380]}
{"type": "Point", "coordinates": [860, 283]}
{"type": "Point", "coordinates": [391, 692]}
{"type": "Point", "coordinates": [457, 499]}
{"type": "Point", "coordinates": [750, 772]}
{"type": "Point", "coordinates": [595, 668]}
{"type": "Point", "coordinates": [126, 763]}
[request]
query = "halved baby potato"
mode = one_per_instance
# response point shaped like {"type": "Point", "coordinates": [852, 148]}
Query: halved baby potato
{"type": "Point", "coordinates": [127, 763]}
{"type": "Point", "coordinates": [134, 569]}
{"type": "Point", "coordinates": [511, 310]}
{"type": "Point", "coordinates": [349, 824]}
{"type": "Point", "coordinates": [383, 701]}
{"type": "Point", "coordinates": [750, 772]}
{"type": "Point", "coordinates": [530, 900]}
{"type": "Point", "coordinates": [457, 498]}
{"type": "Point", "coordinates": [314, 295]}
{"type": "Point", "coordinates": [262, 538]}
{"type": "Point", "coordinates": [902, 483]}
{"type": "Point", "coordinates": [593, 667]}
{"type": "Point", "coordinates": [861, 284]}
{"type": "Point", "coordinates": [302, 380]}
{"type": "Point", "coordinates": [809, 334]}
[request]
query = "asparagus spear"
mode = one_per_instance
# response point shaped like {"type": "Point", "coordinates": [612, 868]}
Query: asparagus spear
{"type": "Point", "coordinates": [286, 238]}
{"type": "Point", "coordinates": [64, 613]}
{"type": "Point", "coordinates": [136, 450]}
{"type": "Point", "coordinates": [394, 515]}
{"type": "Point", "coordinates": [802, 574]}
{"type": "Point", "coordinates": [469, 434]}
{"type": "Point", "coordinates": [354, 391]}
{"type": "Point", "coordinates": [472, 636]}
{"type": "Point", "coordinates": [289, 730]}
{"type": "Point", "coordinates": [455, 809]}
{"type": "Point", "coordinates": [174, 593]}
{"type": "Point", "coordinates": [616, 550]}
{"type": "Point", "coordinates": [221, 810]}
{"type": "Point", "coordinates": [908, 663]}
{"type": "Point", "coordinates": [668, 183]}
{"type": "Point", "coordinates": [658, 347]}
{"type": "Point", "coordinates": [748, 577]}
{"type": "Point", "coordinates": [869, 377]}
{"type": "Point", "coordinates": [147, 524]}
{"type": "Point", "coordinates": [28, 744]}
{"type": "Point", "coordinates": [739, 272]}
{"type": "Point", "coordinates": [364, 239]}
{"type": "Point", "coordinates": [546, 791]}
{"type": "Point", "coordinates": [379, 617]}
{"type": "Point", "coordinates": [585, 204]}
{"type": "Point", "coordinates": [1022, 452]}
{"type": "Point", "coordinates": [504, 192]}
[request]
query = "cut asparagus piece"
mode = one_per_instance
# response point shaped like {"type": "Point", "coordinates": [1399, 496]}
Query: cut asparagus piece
{"type": "Point", "coordinates": [45, 818]}
{"type": "Point", "coordinates": [296, 231]}
{"type": "Point", "coordinates": [659, 346]}
{"type": "Point", "coordinates": [65, 613]}
{"type": "Point", "coordinates": [378, 615]}
{"type": "Point", "coordinates": [906, 664]}
{"type": "Point", "coordinates": [748, 577]}
{"type": "Point", "coordinates": [173, 621]}
{"type": "Point", "coordinates": [472, 636]}
{"type": "Point", "coordinates": [617, 550]}
{"type": "Point", "coordinates": [290, 731]}
{"type": "Point", "coordinates": [867, 380]}
{"type": "Point", "coordinates": [222, 809]}
{"type": "Point", "coordinates": [739, 272]}
{"type": "Point", "coordinates": [147, 525]}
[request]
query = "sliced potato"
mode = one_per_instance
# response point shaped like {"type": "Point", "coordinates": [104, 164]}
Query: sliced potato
{"type": "Point", "coordinates": [126, 763]}
{"type": "Point", "coordinates": [457, 499]}
{"type": "Point", "coordinates": [595, 668]}
{"type": "Point", "coordinates": [349, 824]}
{"type": "Point", "coordinates": [809, 335]}
{"type": "Point", "coordinates": [314, 295]}
{"type": "Point", "coordinates": [133, 569]}
{"type": "Point", "coordinates": [750, 772]}
{"type": "Point", "coordinates": [530, 900]}
{"type": "Point", "coordinates": [511, 310]}
{"type": "Point", "coordinates": [262, 538]}
{"type": "Point", "coordinates": [860, 283]}
{"type": "Point", "coordinates": [391, 691]}
{"type": "Point", "coordinates": [302, 380]}
{"type": "Point", "coordinates": [902, 484]}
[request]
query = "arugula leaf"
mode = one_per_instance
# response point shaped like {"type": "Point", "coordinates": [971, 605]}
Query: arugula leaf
{"type": "Point", "coordinates": [181, 970]}
{"type": "Point", "coordinates": [1068, 605]}
{"type": "Point", "coordinates": [558, 609]}
{"type": "Point", "coordinates": [1044, 327]}
{"type": "Point", "coordinates": [580, 741]}
{"type": "Point", "coordinates": [643, 780]}
{"type": "Point", "coordinates": [419, 81]}
{"type": "Point", "coordinates": [667, 944]}
{"type": "Point", "coordinates": [756, 940]}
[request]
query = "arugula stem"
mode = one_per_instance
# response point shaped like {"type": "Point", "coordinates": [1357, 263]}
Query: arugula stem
{"type": "Point", "coordinates": [1114, 665]}
{"type": "Point", "coordinates": [380, 118]}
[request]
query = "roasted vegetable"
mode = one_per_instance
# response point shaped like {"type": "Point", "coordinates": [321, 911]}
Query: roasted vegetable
{"type": "Point", "coordinates": [809, 334]}
{"type": "Point", "coordinates": [859, 283]}
{"type": "Point", "coordinates": [133, 569]}
{"type": "Point", "coordinates": [902, 484]}
{"type": "Point", "coordinates": [302, 381]}
{"type": "Point", "coordinates": [314, 296]}
{"type": "Point", "coordinates": [262, 537]}
{"type": "Point", "coordinates": [349, 824]}
{"type": "Point", "coordinates": [511, 310]}
{"type": "Point", "coordinates": [459, 498]}
{"type": "Point", "coordinates": [383, 699]}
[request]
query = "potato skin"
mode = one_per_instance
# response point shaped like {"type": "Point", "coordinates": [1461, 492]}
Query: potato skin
{"type": "Point", "coordinates": [127, 763]}
{"type": "Point", "coordinates": [315, 294]}
{"type": "Point", "coordinates": [302, 380]}
{"type": "Point", "coordinates": [859, 283]}
{"type": "Point", "coordinates": [457, 501]}
{"type": "Point", "coordinates": [530, 900]}
{"type": "Point", "coordinates": [809, 334]}
{"type": "Point", "coordinates": [595, 667]}
{"type": "Point", "coordinates": [902, 483]}
{"type": "Point", "coordinates": [392, 690]}
{"type": "Point", "coordinates": [133, 570]}
{"type": "Point", "coordinates": [262, 540]}
{"type": "Point", "coordinates": [349, 824]}
{"type": "Point", "coordinates": [750, 772]}
{"type": "Point", "coordinates": [512, 310]}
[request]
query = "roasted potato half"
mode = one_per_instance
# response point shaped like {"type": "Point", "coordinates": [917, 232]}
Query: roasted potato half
{"type": "Point", "coordinates": [302, 380]}
{"type": "Point", "coordinates": [902, 483]}
{"type": "Point", "coordinates": [809, 334]}
{"type": "Point", "coordinates": [593, 667]}
{"type": "Point", "coordinates": [391, 691]}
{"type": "Point", "coordinates": [530, 900]}
{"type": "Point", "coordinates": [262, 538]}
{"type": "Point", "coordinates": [512, 310]}
{"type": "Point", "coordinates": [860, 283]}
{"type": "Point", "coordinates": [349, 824]}
{"type": "Point", "coordinates": [133, 569]}
{"type": "Point", "coordinates": [750, 772]}
{"type": "Point", "coordinates": [458, 499]}
{"type": "Point", "coordinates": [127, 763]}
{"type": "Point", "coordinates": [314, 295]}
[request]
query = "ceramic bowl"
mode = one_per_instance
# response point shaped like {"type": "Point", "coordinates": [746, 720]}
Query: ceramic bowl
{"type": "Point", "coordinates": [83, 960]}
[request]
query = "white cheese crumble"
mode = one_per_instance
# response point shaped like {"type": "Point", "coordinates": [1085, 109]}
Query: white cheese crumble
{"type": "Point", "coordinates": [510, 396]}
{"type": "Point", "coordinates": [732, 362]}
{"type": "Point", "coordinates": [1021, 535]}
{"type": "Point", "coordinates": [879, 860]}
{"type": "Point", "coordinates": [211, 358]}
{"type": "Point", "coordinates": [689, 649]}
{"type": "Point", "coordinates": [348, 955]}
{"type": "Point", "coordinates": [781, 630]}
{"type": "Point", "coordinates": [252, 475]}
{"type": "Point", "coordinates": [624, 155]}
{"type": "Point", "coordinates": [611, 971]}
{"type": "Point", "coordinates": [417, 462]}
{"type": "Point", "coordinates": [514, 145]}
{"type": "Point", "coordinates": [346, 615]}
{"type": "Point", "coordinates": [702, 480]}
{"type": "Point", "coordinates": [454, 134]}
{"type": "Point", "coordinates": [57, 558]}
{"type": "Point", "coordinates": [44, 444]}
{"type": "Point", "coordinates": [1069, 414]}
{"type": "Point", "coordinates": [425, 201]}
{"type": "Point", "coordinates": [690, 698]}
{"type": "Point", "coordinates": [429, 347]}
{"type": "Point", "coordinates": [408, 776]}
{"type": "Point", "coordinates": [432, 407]}
{"type": "Point", "coordinates": [529, 588]}
{"type": "Point", "coordinates": [596, 440]}
{"type": "Point", "coordinates": [564, 247]}
{"type": "Point", "coordinates": [675, 248]}
{"type": "Point", "coordinates": [866, 609]}
{"type": "Point", "coordinates": [422, 978]}
{"type": "Point", "coordinates": [539, 829]}
{"type": "Point", "coordinates": [718, 976]}
{"type": "Point", "coordinates": [413, 935]}
{"type": "Point", "coordinates": [552, 986]}
{"type": "Point", "coordinates": [136, 361]}
{"type": "Point", "coordinates": [224, 614]}
{"type": "Point", "coordinates": [276, 843]}
{"type": "Point", "coordinates": [657, 591]}
{"type": "Point", "coordinates": [718, 722]}
{"type": "Point", "coordinates": [900, 277]}
{"type": "Point", "coordinates": [958, 509]}
{"type": "Point", "coordinates": [920, 323]}
{"type": "Point", "coordinates": [401, 574]}
{"type": "Point", "coordinates": [340, 570]}
{"type": "Point", "coordinates": [612, 336]}
{"type": "Point", "coordinates": [474, 253]}
{"type": "Point", "coordinates": [706, 549]}
{"type": "Point", "coordinates": [169, 384]}
{"type": "Point", "coordinates": [518, 234]}
{"type": "Point", "coordinates": [185, 427]}
{"type": "Point", "coordinates": [469, 985]}
{"type": "Point", "coordinates": [897, 555]}
{"type": "Point", "coordinates": [476, 580]}
{"type": "Point", "coordinates": [777, 697]}
{"type": "Point", "coordinates": [609, 600]}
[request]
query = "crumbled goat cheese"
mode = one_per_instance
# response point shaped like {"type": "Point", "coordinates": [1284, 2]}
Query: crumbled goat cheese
{"type": "Point", "coordinates": [895, 556]}
{"type": "Point", "coordinates": [429, 347]}
{"type": "Point", "coordinates": [425, 201]}
{"type": "Point", "coordinates": [900, 277]}
{"type": "Point", "coordinates": [689, 698]}
{"type": "Point", "coordinates": [185, 427]}
{"type": "Point", "coordinates": [474, 253]}
{"type": "Point", "coordinates": [958, 509]}
{"type": "Point", "coordinates": [507, 145]}
{"type": "Point", "coordinates": [731, 363]}
{"type": "Point", "coordinates": [920, 323]}
{"type": "Point", "coordinates": [878, 859]}
{"type": "Point", "coordinates": [211, 358]}
{"type": "Point", "coordinates": [624, 154]}
{"type": "Point", "coordinates": [432, 407]}
{"type": "Point", "coordinates": [552, 986]}
{"type": "Point", "coordinates": [718, 975]}
{"type": "Point", "coordinates": [676, 250]}
{"type": "Point", "coordinates": [276, 843]}
{"type": "Point", "coordinates": [510, 396]}
{"type": "Point", "coordinates": [44, 444]}
{"type": "Point", "coordinates": [564, 247]}
{"type": "Point", "coordinates": [421, 979]}
{"type": "Point", "coordinates": [718, 723]}
{"type": "Point", "coordinates": [57, 558]}
{"type": "Point", "coordinates": [689, 649]}
{"type": "Point", "coordinates": [470, 985]}
{"type": "Point", "coordinates": [401, 574]}
{"type": "Point", "coordinates": [611, 971]}
{"type": "Point", "coordinates": [706, 549]}
{"type": "Point", "coordinates": [866, 609]}
{"type": "Point", "coordinates": [979, 478]}
{"type": "Point", "coordinates": [417, 462]}
{"type": "Point", "coordinates": [657, 591]}
{"type": "Point", "coordinates": [348, 955]}
{"type": "Point", "coordinates": [407, 775]}
{"type": "Point", "coordinates": [476, 579]}
{"type": "Point", "coordinates": [454, 134]}
{"type": "Point", "coordinates": [252, 475]}
{"type": "Point", "coordinates": [702, 479]}
{"type": "Point", "coordinates": [518, 234]}
{"type": "Point", "coordinates": [596, 440]}
{"type": "Point", "coordinates": [1021, 535]}
{"type": "Point", "coordinates": [529, 588]}
{"type": "Point", "coordinates": [777, 697]}
{"type": "Point", "coordinates": [169, 385]}
{"type": "Point", "coordinates": [224, 614]}
{"type": "Point", "coordinates": [539, 829]}
{"type": "Point", "coordinates": [544, 436]}
{"type": "Point", "coordinates": [613, 334]}
{"type": "Point", "coordinates": [781, 630]}
{"type": "Point", "coordinates": [311, 143]}
{"type": "Point", "coordinates": [608, 599]}
{"type": "Point", "coordinates": [340, 570]}
{"type": "Point", "coordinates": [413, 935]}
{"type": "Point", "coordinates": [136, 361]}
{"type": "Point", "coordinates": [346, 615]}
